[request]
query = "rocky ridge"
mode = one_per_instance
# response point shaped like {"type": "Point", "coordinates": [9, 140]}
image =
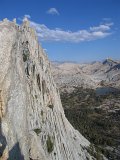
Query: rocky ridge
{"type": "Point", "coordinates": [91, 75]}
{"type": "Point", "coordinates": [32, 121]}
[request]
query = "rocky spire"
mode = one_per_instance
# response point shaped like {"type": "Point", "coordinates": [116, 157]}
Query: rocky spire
{"type": "Point", "coordinates": [26, 22]}
{"type": "Point", "coordinates": [34, 124]}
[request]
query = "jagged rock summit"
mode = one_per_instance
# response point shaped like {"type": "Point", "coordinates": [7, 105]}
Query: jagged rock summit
{"type": "Point", "coordinates": [32, 121]}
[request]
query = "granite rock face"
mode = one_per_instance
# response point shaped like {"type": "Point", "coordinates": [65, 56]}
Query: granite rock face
{"type": "Point", "coordinates": [32, 121]}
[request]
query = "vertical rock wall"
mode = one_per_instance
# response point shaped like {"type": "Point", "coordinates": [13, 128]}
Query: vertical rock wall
{"type": "Point", "coordinates": [33, 124]}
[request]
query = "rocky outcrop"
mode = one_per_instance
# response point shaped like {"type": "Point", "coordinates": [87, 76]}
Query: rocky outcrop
{"type": "Point", "coordinates": [32, 121]}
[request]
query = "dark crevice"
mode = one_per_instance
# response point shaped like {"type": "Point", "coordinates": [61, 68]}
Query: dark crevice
{"type": "Point", "coordinates": [38, 81]}
{"type": "Point", "coordinates": [27, 70]}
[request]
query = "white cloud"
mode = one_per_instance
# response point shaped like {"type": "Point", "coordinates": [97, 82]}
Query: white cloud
{"type": "Point", "coordinates": [57, 34]}
{"type": "Point", "coordinates": [27, 16]}
{"type": "Point", "coordinates": [53, 11]}
{"type": "Point", "coordinates": [102, 27]}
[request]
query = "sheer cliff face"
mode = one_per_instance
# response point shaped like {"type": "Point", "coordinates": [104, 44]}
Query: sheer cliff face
{"type": "Point", "coordinates": [32, 120]}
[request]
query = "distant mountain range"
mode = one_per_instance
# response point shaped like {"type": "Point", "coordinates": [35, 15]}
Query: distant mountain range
{"type": "Point", "coordinates": [68, 75]}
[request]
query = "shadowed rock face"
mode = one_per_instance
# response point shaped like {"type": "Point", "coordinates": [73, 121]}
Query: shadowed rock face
{"type": "Point", "coordinates": [3, 142]}
{"type": "Point", "coordinates": [15, 153]}
{"type": "Point", "coordinates": [33, 124]}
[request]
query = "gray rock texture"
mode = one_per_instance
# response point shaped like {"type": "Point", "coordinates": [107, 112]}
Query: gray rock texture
{"type": "Point", "coordinates": [32, 121]}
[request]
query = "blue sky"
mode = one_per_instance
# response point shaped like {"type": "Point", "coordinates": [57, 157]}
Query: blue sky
{"type": "Point", "coordinates": [73, 30]}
